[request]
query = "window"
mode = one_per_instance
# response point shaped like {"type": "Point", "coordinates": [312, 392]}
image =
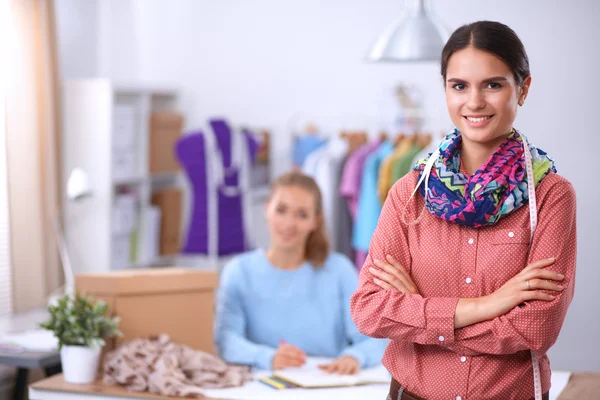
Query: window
{"type": "Point", "coordinates": [6, 299]}
{"type": "Point", "coordinates": [5, 270]}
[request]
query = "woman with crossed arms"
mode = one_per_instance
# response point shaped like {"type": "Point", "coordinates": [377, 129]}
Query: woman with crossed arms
{"type": "Point", "coordinates": [472, 276]}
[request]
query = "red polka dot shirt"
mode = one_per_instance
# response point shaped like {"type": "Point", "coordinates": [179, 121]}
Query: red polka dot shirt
{"type": "Point", "coordinates": [487, 360]}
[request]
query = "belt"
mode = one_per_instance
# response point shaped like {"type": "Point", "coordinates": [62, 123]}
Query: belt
{"type": "Point", "coordinates": [398, 392]}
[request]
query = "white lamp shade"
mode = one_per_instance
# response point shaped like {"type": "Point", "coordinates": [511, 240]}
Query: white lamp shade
{"type": "Point", "coordinates": [419, 37]}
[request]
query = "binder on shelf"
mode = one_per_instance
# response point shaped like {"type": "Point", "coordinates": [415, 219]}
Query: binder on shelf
{"type": "Point", "coordinates": [124, 214]}
{"type": "Point", "coordinates": [150, 237]}
{"type": "Point", "coordinates": [124, 127]}
{"type": "Point", "coordinates": [170, 202]}
{"type": "Point", "coordinates": [124, 143]}
{"type": "Point", "coordinates": [120, 250]}
{"type": "Point", "coordinates": [165, 129]}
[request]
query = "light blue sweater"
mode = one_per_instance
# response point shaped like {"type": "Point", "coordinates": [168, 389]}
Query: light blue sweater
{"type": "Point", "coordinates": [259, 305]}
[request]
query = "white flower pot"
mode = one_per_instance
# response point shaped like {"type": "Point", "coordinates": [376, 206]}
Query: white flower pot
{"type": "Point", "coordinates": [80, 363]}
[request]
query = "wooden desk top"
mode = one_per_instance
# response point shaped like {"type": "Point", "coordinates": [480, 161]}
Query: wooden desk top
{"type": "Point", "coordinates": [57, 383]}
{"type": "Point", "coordinates": [580, 386]}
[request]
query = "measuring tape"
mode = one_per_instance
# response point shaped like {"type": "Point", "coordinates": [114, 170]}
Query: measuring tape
{"type": "Point", "coordinates": [537, 380]}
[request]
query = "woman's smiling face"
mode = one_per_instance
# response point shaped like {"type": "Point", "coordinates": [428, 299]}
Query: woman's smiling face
{"type": "Point", "coordinates": [482, 96]}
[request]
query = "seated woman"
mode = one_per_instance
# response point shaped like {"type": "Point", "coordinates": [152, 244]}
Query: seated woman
{"type": "Point", "coordinates": [278, 306]}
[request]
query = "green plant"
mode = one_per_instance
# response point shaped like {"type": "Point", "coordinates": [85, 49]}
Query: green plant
{"type": "Point", "coordinates": [80, 321]}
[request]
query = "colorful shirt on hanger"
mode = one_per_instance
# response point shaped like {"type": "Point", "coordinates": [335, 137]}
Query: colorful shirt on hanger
{"type": "Point", "coordinates": [369, 204]}
{"type": "Point", "coordinates": [352, 175]}
{"type": "Point", "coordinates": [385, 170]}
{"type": "Point", "coordinates": [404, 164]}
{"type": "Point", "coordinates": [303, 146]}
{"type": "Point", "coordinates": [325, 165]}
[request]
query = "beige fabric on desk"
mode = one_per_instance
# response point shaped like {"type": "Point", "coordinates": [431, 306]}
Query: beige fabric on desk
{"type": "Point", "coordinates": [160, 366]}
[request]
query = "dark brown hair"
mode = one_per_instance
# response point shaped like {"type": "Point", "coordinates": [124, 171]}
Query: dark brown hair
{"type": "Point", "coordinates": [493, 37]}
{"type": "Point", "coordinates": [317, 245]}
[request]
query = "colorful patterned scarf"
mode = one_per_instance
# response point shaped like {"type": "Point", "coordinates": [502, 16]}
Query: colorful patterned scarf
{"type": "Point", "coordinates": [497, 188]}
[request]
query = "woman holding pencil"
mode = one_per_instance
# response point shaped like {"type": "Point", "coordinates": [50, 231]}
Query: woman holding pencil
{"type": "Point", "coordinates": [277, 306]}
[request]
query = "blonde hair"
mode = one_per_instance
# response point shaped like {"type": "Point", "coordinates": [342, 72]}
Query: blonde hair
{"type": "Point", "coordinates": [317, 244]}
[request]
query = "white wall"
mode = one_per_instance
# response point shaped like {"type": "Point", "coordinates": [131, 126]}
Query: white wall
{"type": "Point", "coordinates": [77, 33]}
{"type": "Point", "coordinates": [260, 62]}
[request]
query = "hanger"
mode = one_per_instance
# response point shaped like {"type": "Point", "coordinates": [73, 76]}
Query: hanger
{"type": "Point", "coordinates": [415, 138]}
{"type": "Point", "coordinates": [383, 135]}
{"type": "Point", "coordinates": [355, 139]}
{"type": "Point", "coordinates": [401, 136]}
{"type": "Point", "coordinates": [311, 129]}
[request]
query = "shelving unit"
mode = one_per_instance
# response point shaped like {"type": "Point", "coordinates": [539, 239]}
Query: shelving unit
{"type": "Point", "coordinates": [92, 139]}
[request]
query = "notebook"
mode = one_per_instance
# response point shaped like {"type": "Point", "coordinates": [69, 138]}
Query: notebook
{"type": "Point", "coordinates": [315, 378]}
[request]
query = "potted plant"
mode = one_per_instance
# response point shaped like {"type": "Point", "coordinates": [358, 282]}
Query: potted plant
{"type": "Point", "coordinates": [80, 324]}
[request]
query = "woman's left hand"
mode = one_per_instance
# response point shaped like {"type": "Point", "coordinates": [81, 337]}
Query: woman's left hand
{"type": "Point", "coordinates": [346, 365]}
{"type": "Point", "coordinates": [392, 275]}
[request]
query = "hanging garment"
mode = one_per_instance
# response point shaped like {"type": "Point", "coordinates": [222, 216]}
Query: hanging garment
{"type": "Point", "coordinates": [303, 146]}
{"type": "Point", "coordinates": [325, 165]}
{"type": "Point", "coordinates": [191, 150]}
{"type": "Point", "coordinates": [231, 218]}
{"type": "Point", "coordinates": [369, 204]}
{"type": "Point", "coordinates": [496, 189]}
{"type": "Point", "coordinates": [158, 365]}
{"type": "Point", "coordinates": [352, 175]}
{"type": "Point", "coordinates": [202, 160]}
{"type": "Point", "coordinates": [385, 181]}
{"type": "Point", "coordinates": [343, 217]}
{"type": "Point", "coordinates": [404, 164]}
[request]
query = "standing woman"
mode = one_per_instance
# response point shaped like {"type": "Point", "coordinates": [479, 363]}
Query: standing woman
{"type": "Point", "coordinates": [473, 291]}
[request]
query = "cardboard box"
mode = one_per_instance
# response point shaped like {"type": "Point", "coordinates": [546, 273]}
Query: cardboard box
{"type": "Point", "coordinates": [165, 130]}
{"type": "Point", "coordinates": [170, 202]}
{"type": "Point", "coordinates": [177, 301]}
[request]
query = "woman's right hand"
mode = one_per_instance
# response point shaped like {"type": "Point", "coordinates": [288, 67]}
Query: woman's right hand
{"type": "Point", "coordinates": [288, 356]}
{"type": "Point", "coordinates": [525, 286]}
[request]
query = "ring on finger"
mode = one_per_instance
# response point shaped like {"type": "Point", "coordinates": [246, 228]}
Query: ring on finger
{"type": "Point", "coordinates": [528, 285]}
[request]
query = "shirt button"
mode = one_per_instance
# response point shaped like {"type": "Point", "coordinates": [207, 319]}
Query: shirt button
{"type": "Point", "coordinates": [458, 398]}
{"type": "Point", "coordinates": [441, 338]}
{"type": "Point", "coordinates": [511, 234]}
{"type": "Point", "coordinates": [463, 359]}
{"type": "Point", "coordinates": [468, 280]}
{"type": "Point", "coordinates": [471, 241]}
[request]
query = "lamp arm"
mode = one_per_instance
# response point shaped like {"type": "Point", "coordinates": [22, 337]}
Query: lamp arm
{"type": "Point", "coordinates": [63, 252]}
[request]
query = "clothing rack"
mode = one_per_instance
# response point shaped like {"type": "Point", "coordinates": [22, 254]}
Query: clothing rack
{"type": "Point", "coordinates": [409, 121]}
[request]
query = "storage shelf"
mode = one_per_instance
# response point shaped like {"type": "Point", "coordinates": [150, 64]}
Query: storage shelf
{"type": "Point", "coordinates": [115, 153]}
{"type": "Point", "coordinates": [131, 181]}
{"type": "Point", "coordinates": [160, 261]}
{"type": "Point", "coordinates": [152, 178]}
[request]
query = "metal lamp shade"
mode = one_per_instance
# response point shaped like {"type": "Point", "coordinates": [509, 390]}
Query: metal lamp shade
{"type": "Point", "coordinates": [419, 37]}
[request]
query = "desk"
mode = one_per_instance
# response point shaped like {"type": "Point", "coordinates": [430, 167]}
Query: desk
{"type": "Point", "coordinates": [49, 361]}
{"type": "Point", "coordinates": [55, 388]}
{"type": "Point", "coordinates": [582, 386]}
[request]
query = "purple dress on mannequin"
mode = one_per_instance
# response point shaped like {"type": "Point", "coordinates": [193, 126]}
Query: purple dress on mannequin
{"type": "Point", "coordinates": [191, 152]}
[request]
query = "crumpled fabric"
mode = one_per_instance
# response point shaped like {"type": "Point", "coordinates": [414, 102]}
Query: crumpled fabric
{"type": "Point", "coordinates": [158, 365]}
